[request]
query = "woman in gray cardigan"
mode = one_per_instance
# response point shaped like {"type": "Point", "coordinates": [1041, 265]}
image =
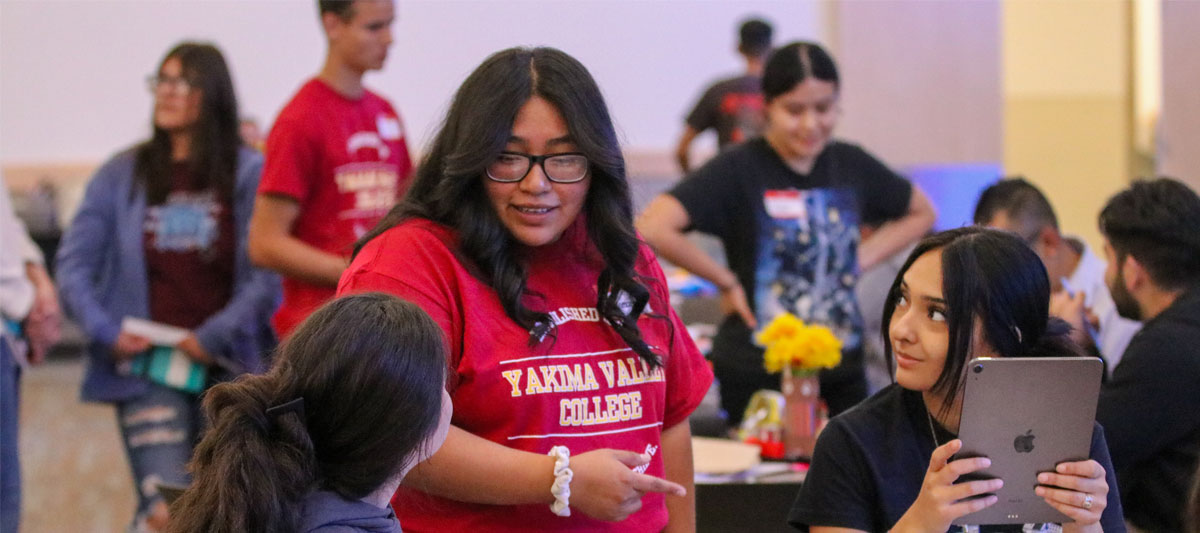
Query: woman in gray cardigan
{"type": "Point", "coordinates": [161, 236]}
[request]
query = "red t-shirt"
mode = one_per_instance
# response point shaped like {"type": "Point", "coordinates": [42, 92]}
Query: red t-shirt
{"type": "Point", "coordinates": [346, 163]}
{"type": "Point", "coordinates": [189, 245]}
{"type": "Point", "coordinates": [582, 387]}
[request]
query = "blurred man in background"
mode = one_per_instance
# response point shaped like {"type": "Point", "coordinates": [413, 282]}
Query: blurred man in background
{"type": "Point", "coordinates": [732, 107]}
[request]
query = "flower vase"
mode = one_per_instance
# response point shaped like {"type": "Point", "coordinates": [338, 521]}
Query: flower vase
{"type": "Point", "coordinates": [801, 412]}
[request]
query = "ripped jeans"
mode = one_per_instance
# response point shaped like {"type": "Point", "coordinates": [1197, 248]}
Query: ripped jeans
{"type": "Point", "coordinates": [159, 430]}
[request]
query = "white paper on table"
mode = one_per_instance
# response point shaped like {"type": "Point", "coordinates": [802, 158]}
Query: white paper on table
{"type": "Point", "coordinates": [157, 333]}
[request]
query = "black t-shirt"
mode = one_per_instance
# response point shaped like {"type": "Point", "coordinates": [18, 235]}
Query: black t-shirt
{"type": "Point", "coordinates": [870, 462]}
{"type": "Point", "coordinates": [792, 239]}
{"type": "Point", "coordinates": [733, 107]}
{"type": "Point", "coordinates": [1150, 410]}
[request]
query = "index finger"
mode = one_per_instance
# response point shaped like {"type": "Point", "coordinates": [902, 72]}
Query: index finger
{"type": "Point", "coordinates": [941, 455]}
{"type": "Point", "coordinates": [646, 483]}
{"type": "Point", "coordinates": [1088, 469]}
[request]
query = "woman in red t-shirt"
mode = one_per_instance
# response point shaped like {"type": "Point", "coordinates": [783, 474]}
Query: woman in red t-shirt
{"type": "Point", "coordinates": [571, 376]}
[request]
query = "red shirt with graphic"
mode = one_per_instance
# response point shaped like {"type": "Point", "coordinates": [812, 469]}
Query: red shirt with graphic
{"type": "Point", "coordinates": [346, 163]}
{"type": "Point", "coordinates": [190, 244]}
{"type": "Point", "coordinates": [581, 387]}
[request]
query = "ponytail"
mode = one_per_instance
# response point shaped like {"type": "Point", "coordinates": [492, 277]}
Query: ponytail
{"type": "Point", "coordinates": [353, 396]}
{"type": "Point", "coordinates": [1055, 342]}
{"type": "Point", "coordinates": [252, 471]}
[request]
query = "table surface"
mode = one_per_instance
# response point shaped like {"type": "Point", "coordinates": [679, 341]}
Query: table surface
{"type": "Point", "coordinates": [744, 507]}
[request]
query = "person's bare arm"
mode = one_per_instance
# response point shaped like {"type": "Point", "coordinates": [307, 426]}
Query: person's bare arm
{"type": "Point", "coordinates": [677, 463]}
{"type": "Point", "coordinates": [470, 468]}
{"type": "Point", "coordinates": [683, 148]}
{"type": "Point", "coordinates": [662, 224]}
{"type": "Point", "coordinates": [893, 236]}
{"type": "Point", "coordinates": [272, 245]}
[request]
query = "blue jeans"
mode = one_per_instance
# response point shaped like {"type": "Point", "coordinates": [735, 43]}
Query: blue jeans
{"type": "Point", "coordinates": [159, 430]}
{"type": "Point", "coordinates": [10, 466]}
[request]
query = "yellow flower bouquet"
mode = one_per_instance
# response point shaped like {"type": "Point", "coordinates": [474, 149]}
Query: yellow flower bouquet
{"type": "Point", "coordinates": [798, 351]}
{"type": "Point", "coordinates": [802, 348]}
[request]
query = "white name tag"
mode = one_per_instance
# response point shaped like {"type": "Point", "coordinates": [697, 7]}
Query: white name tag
{"type": "Point", "coordinates": [785, 204]}
{"type": "Point", "coordinates": [389, 127]}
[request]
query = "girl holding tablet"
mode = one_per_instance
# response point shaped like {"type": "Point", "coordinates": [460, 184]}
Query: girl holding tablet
{"type": "Point", "coordinates": [887, 465]}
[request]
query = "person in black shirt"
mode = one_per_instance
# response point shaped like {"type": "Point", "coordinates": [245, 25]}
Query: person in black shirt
{"type": "Point", "coordinates": [733, 107]}
{"type": "Point", "coordinates": [885, 465]}
{"type": "Point", "coordinates": [1150, 408]}
{"type": "Point", "coordinates": [788, 207]}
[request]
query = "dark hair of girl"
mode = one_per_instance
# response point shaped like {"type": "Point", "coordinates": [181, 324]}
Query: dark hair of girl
{"type": "Point", "coordinates": [370, 369]}
{"type": "Point", "coordinates": [449, 189]}
{"type": "Point", "coordinates": [791, 65]}
{"type": "Point", "coordinates": [992, 277]}
{"type": "Point", "coordinates": [213, 154]}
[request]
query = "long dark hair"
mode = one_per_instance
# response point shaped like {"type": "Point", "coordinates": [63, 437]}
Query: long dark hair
{"type": "Point", "coordinates": [212, 157]}
{"type": "Point", "coordinates": [369, 369]}
{"type": "Point", "coordinates": [993, 277]}
{"type": "Point", "coordinates": [448, 188]}
{"type": "Point", "coordinates": [792, 64]}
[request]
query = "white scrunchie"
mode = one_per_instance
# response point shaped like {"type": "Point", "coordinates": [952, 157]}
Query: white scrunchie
{"type": "Point", "coordinates": [561, 489]}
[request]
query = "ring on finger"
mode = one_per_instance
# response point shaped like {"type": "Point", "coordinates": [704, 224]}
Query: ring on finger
{"type": "Point", "coordinates": [1087, 501]}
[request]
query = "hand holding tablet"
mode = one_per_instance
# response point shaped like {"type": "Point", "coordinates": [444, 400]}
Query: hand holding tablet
{"type": "Point", "coordinates": [1034, 419]}
{"type": "Point", "coordinates": [942, 500]}
{"type": "Point", "coordinates": [1076, 489]}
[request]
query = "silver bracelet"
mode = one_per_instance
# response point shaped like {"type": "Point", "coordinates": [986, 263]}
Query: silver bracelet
{"type": "Point", "coordinates": [561, 489]}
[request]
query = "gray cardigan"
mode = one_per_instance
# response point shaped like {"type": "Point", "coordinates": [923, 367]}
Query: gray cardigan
{"type": "Point", "coordinates": [101, 274]}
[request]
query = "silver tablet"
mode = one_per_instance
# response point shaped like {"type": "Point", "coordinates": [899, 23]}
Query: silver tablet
{"type": "Point", "coordinates": [1027, 415]}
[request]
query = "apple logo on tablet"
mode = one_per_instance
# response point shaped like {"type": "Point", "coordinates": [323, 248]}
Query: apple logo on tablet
{"type": "Point", "coordinates": [1024, 443]}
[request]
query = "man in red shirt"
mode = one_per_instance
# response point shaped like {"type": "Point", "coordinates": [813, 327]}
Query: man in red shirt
{"type": "Point", "coordinates": [336, 162]}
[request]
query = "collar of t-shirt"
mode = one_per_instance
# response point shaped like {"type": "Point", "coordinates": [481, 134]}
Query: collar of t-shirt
{"type": "Point", "coordinates": [328, 509]}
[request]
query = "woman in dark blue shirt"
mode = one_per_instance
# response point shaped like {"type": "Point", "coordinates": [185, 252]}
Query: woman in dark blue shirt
{"type": "Point", "coordinates": [886, 465]}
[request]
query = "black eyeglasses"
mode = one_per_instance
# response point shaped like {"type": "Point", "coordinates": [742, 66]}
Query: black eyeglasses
{"type": "Point", "coordinates": [180, 85]}
{"type": "Point", "coordinates": [511, 167]}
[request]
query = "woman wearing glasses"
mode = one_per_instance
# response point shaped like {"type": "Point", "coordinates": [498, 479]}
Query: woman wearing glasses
{"type": "Point", "coordinates": [161, 235]}
{"type": "Point", "coordinates": [572, 378]}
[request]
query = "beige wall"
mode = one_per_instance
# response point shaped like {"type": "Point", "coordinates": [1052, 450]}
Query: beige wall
{"type": "Point", "coordinates": [1067, 103]}
{"type": "Point", "coordinates": [921, 80]}
{"type": "Point", "coordinates": [1179, 141]}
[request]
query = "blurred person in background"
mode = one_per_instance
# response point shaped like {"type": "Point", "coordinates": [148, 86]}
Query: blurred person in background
{"type": "Point", "coordinates": [251, 133]}
{"type": "Point", "coordinates": [336, 161]}
{"type": "Point", "coordinates": [1150, 408]}
{"type": "Point", "coordinates": [788, 208]}
{"type": "Point", "coordinates": [31, 318]}
{"type": "Point", "coordinates": [732, 107]}
{"type": "Point", "coordinates": [1076, 273]}
{"type": "Point", "coordinates": [161, 235]}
